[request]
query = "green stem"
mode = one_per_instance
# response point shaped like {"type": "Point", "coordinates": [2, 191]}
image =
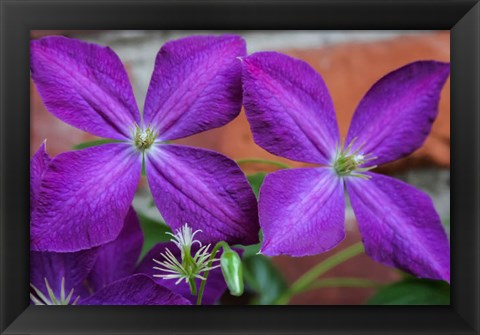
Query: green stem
{"type": "Point", "coordinates": [263, 161]}
{"type": "Point", "coordinates": [304, 282]}
{"type": "Point", "coordinates": [326, 265]}
{"type": "Point", "coordinates": [342, 282]}
{"type": "Point", "coordinates": [188, 263]}
{"type": "Point", "coordinates": [193, 286]}
{"type": "Point", "coordinates": [205, 275]}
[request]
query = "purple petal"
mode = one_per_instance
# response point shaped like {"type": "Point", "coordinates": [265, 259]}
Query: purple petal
{"type": "Point", "coordinates": [396, 115]}
{"type": "Point", "coordinates": [195, 86]}
{"type": "Point", "coordinates": [73, 267]}
{"type": "Point", "coordinates": [84, 198]}
{"type": "Point", "coordinates": [289, 108]}
{"type": "Point", "coordinates": [400, 226]}
{"type": "Point", "coordinates": [214, 288]}
{"type": "Point", "coordinates": [84, 85]}
{"type": "Point", "coordinates": [135, 290]}
{"type": "Point", "coordinates": [204, 189]}
{"type": "Point", "coordinates": [38, 165]}
{"type": "Point", "coordinates": [302, 212]}
{"type": "Point", "coordinates": [118, 258]}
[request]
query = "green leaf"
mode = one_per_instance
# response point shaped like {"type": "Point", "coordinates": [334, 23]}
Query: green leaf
{"type": "Point", "coordinates": [250, 250]}
{"type": "Point", "coordinates": [413, 292]}
{"type": "Point", "coordinates": [93, 143]}
{"type": "Point", "coordinates": [153, 231]}
{"type": "Point", "coordinates": [256, 181]}
{"type": "Point", "coordinates": [263, 277]}
{"type": "Point", "coordinates": [446, 225]}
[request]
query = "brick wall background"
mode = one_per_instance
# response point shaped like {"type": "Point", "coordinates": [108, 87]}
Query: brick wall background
{"type": "Point", "coordinates": [350, 62]}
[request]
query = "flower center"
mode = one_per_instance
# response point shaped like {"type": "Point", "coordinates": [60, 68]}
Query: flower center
{"type": "Point", "coordinates": [144, 138]}
{"type": "Point", "coordinates": [350, 163]}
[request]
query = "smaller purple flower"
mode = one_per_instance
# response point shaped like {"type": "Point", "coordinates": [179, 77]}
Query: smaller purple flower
{"type": "Point", "coordinates": [104, 275]}
{"type": "Point", "coordinates": [85, 195]}
{"type": "Point", "coordinates": [302, 211]}
{"type": "Point", "coordinates": [100, 276]}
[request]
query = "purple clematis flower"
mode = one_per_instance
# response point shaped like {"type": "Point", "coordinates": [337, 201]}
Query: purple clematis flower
{"type": "Point", "coordinates": [108, 274]}
{"type": "Point", "coordinates": [99, 276]}
{"type": "Point", "coordinates": [85, 195]}
{"type": "Point", "coordinates": [302, 211]}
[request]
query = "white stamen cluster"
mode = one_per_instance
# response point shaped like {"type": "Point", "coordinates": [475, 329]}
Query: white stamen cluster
{"type": "Point", "coordinates": [188, 267]}
{"type": "Point", "coordinates": [184, 239]}
{"type": "Point", "coordinates": [41, 299]}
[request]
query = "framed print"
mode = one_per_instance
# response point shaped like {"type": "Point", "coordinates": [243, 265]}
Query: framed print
{"type": "Point", "coordinates": [240, 167]}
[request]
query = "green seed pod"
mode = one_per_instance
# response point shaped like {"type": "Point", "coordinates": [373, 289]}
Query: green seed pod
{"type": "Point", "coordinates": [232, 271]}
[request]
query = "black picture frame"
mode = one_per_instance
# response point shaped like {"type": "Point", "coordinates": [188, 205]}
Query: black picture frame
{"type": "Point", "coordinates": [18, 17]}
